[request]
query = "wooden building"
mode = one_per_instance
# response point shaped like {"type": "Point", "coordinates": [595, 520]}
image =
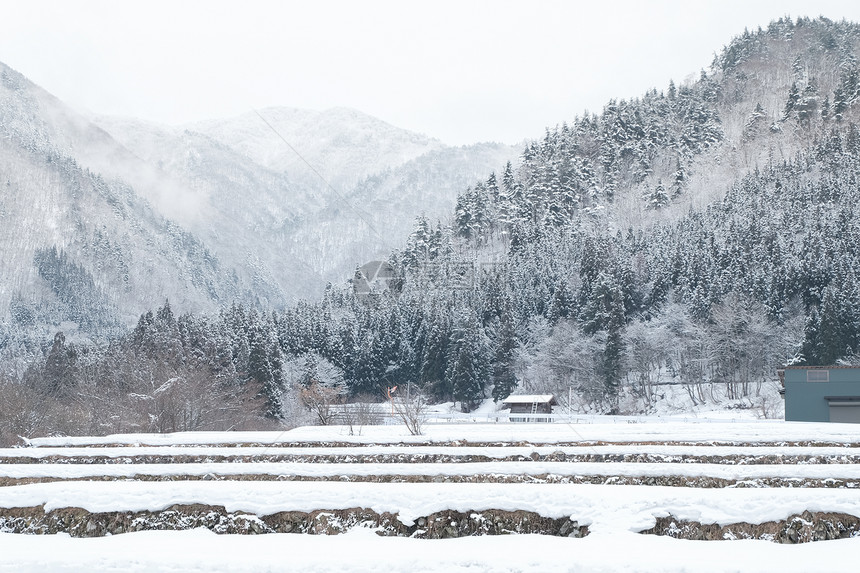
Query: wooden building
{"type": "Point", "coordinates": [534, 404]}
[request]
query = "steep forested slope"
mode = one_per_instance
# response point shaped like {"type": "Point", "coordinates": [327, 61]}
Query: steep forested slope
{"type": "Point", "coordinates": [77, 247]}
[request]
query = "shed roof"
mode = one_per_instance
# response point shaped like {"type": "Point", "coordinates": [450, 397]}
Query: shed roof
{"type": "Point", "coordinates": [831, 367]}
{"type": "Point", "coordinates": [530, 399]}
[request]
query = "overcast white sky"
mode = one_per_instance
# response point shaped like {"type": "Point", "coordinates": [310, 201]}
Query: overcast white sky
{"type": "Point", "coordinates": [463, 71]}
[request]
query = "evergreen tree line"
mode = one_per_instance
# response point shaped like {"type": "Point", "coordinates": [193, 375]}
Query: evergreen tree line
{"type": "Point", "coordinates": [581, 167]}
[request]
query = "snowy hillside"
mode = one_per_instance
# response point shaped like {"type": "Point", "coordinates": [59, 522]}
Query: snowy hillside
{"type": "Point", "coordinates": [380, 211]}
{"type": "Point", "coordinates": [670, 252]}
{"type": "Point", "coordinates": [151, 212]}
{"type": "Point", "coordinates": [242, 211]}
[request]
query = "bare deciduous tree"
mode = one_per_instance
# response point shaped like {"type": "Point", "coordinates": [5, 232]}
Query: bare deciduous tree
{"type": "Point", "coordinates": [411, 412]}
{"type": "Point", "coordinates": [320, 399]}
{"type": "Point", "coordinates": [362, 412]}
{"type": "Point", "coordinates": [561, 358]}
{"type": "Point", "coordinates": [22, 411]}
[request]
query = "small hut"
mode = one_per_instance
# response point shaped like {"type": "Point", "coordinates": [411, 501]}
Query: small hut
{"type": "Point", "coordinates": [533, 404]}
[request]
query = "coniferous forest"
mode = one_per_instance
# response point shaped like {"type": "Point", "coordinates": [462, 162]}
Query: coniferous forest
{"type": "Point", "coordinates": [699, 237]}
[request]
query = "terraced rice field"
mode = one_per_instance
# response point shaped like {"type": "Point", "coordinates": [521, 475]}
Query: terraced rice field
{"type": "Point", "coordinates": [751, 496]}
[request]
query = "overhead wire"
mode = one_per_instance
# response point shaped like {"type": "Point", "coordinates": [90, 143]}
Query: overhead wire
{"type": "Point", "coordinates": [361, 214]}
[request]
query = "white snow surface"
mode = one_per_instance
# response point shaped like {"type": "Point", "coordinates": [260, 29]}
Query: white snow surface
{"type": "Point", "coordinates": [603, 429]}
{"type": "Point", "coordinates": [614, 513]}
{"type": "Point", "coordinates": [347, 470]}
{"type": "Point", "coordinates": [606, 508]}
{"type": "Point", "coordinates": [668, 451]}
{"type": "Point", "coordinates": [361, 550]}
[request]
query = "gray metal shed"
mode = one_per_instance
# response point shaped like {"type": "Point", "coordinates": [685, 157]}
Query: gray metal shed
{"type": "Point", "coordinates": [821, 393]}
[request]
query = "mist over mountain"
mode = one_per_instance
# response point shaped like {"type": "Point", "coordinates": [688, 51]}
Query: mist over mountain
{"type": "Point", "coordinates": [294, 222]}
{"type": "Point", "coordinates": [372, 219]}
{"type": "Point", "coordinates": [65, 224]}
{"type": "Point", "coordinates": [342, 144]}
{"type": "Point", "coordinates": [206, 214]}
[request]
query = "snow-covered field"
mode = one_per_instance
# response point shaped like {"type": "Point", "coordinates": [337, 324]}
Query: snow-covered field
{"type": "Point", "coordinates": [351, 470]}
{"type": "Point", "coordinates": [386, 470]}
{"type": "Point", "coordinates": [361, 550]}
{"type": "Point", "coordinates": [606, 429]}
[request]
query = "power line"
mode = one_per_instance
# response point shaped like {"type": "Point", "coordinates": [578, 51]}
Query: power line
{"type": "Point", "coordinates": [341, 197]}
{"type": "Point", "coordinates": [344, 200]}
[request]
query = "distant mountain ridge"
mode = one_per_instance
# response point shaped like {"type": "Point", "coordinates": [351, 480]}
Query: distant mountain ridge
{"type": "Point", "coordinates": [128, 253]}
{"type": "Point", "coordinates": [366, 182]}
{"type": "Point", "coordinates": [206, 213]}
{"type": "Point", "coordinates": [344, 145]}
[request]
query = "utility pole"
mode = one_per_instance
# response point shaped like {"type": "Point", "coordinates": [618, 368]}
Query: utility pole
{"type": "Point", "coordinates": [569, 403]}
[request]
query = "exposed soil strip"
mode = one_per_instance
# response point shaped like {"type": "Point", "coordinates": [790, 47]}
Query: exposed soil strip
{"type": "Point", "coordinates": [670, 481]}
{"type": "Point", "coordinates": [382, 458]}
{"type": "Point", "coordinates": [802, 528]}
{"type": "Point", "coordinates": [440, 525]}
{"type": "Point", "coordinates": [501, 444]}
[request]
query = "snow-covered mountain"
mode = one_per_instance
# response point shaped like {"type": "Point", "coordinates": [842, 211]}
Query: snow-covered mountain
{"type": "Point", "coordinates": [351, 196]}
{"type": "Point", "coordinates": [104, 218]}
{"type": "Point", "coordinates": [79, 246]}
{"type": "Point", "coordinates": [343, 145]}
{"type": "Point", "coordinates": [699, 236]}
{"type": "Point", "coordinates": [379, 212]}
